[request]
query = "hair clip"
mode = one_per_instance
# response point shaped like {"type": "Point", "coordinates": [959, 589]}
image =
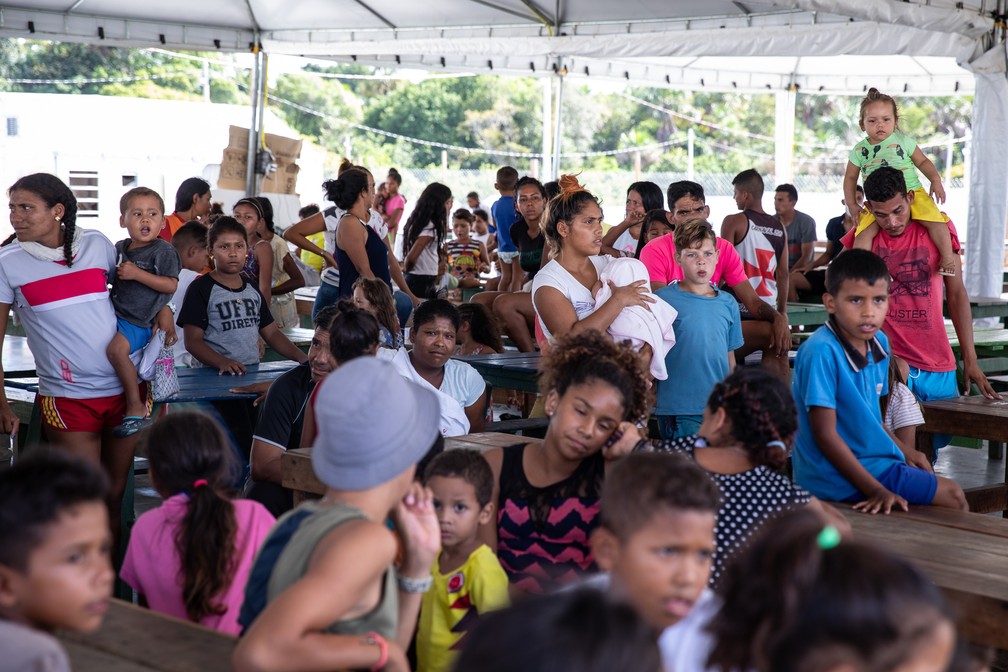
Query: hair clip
{"type": "Point", "coordinates": [201, 482]}
{"type": "Point", "coordinates": [778, 444]}
{"type": "Point", "coordinates": [829, 537]}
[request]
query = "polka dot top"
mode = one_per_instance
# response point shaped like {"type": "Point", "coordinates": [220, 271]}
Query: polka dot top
{"type": "Point", "coordinates": [748, 499]}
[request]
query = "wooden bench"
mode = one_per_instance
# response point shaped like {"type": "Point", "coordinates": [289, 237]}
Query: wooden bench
{"type": "Point", "coordinates": [965, 554]}
{"type": "Point", "coordinates": [297, 474]}
{"type": "Point", "coordinates": [975, 417]}
{"type": "Point", "coordinates": [133, 638]}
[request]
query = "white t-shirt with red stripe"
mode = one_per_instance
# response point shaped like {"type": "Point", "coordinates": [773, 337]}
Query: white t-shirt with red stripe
{"type": "Point", "coordinates": [67, 315]}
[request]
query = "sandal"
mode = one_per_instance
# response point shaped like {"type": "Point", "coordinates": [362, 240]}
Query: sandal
{"type": "Point", "coordinates": [131, 424]}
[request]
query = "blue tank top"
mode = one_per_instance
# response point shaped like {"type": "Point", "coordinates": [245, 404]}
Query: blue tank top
{"type": "Point", "coordinates": [377, 255]}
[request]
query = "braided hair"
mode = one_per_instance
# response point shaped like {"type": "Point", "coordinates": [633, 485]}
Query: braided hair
{"type": "Point", "coordinates": [762, 414]}
{"type": "Point", "coordinates": [53, 190]}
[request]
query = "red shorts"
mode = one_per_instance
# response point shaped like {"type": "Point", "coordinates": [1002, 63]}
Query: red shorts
{"type": "Point", "coordinates": [64, 414]}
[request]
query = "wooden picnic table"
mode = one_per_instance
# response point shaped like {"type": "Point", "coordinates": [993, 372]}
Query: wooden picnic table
{"type": "Point", "coordinates": [299, 336]}
{"type": "Point", "coordinates": [965, 554]}
{"type": "Point", "coordinates": [18, 360]}
{"type": "Point", "coordinates": [985, 306]}
{"type": "Point", "coordinates": [974, 417]}
{"type": "Point", "coordinates": [297, 474]}
{"type": "Point", "coordinates": [507, 370]}
{"type": "Point", "coordinates": [133, 638]}
{"type": "Point", "coordinates": [806, 314]}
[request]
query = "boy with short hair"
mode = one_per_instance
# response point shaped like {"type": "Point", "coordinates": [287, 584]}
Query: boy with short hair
{"type": "Point", "coordinates": [145, 281]}
{"type": "Point", "coordinates": [708, 330]}
{"type": "Point", "coordinates": [468, 579]}
{"type": "Point", "coordinates": [843, 452]}
{"type": "Point", "coordinates": [503, 212]}
{"type": "Point", "coordinates": [656, 541]}
{"type": "Point", "coordinates": [55, 562]}
{"type": "Point", "coordinates": [190, 241]}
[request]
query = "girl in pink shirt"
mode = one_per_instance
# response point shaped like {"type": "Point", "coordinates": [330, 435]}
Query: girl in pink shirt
{"type": "Point", "coordinates": [190, 557]}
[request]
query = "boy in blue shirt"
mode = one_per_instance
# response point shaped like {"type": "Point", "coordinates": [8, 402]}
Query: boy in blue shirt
{"type": "Point", "coordinates": [843, 452]}
{"type": "Point", "coordinates": [503, 211]}
{"type": "Point", "coordinates": [708, 329]}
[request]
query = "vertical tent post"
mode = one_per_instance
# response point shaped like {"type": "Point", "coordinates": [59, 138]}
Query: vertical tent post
{"type": "Point", "coordinates": [557, 125]}
{"type": "Point", "coordinates": [547, 126]}
{"type": "Point", "coordinates": [784, 124]}
{"type": "Point", "coordinates": [258, 99]}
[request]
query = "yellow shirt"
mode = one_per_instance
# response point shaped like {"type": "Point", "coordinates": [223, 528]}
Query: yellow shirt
{"type": "Point", "coordinates": [454, 604]}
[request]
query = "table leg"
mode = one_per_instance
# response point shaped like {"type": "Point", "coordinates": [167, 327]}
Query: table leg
{"type": "Point", "coordinates": [995, 450]}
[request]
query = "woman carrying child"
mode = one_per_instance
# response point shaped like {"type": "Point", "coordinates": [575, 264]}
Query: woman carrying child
{"type": "Point", "coordinates": [55, 277]}
{"type": "Point", "coordinates": [423, 235]}
{"type": "Point", "coordinates": [285, 275]}
{"type": "Point", "coordinates": [190, 557]}
{"type": "Point", "coordinates": [547, 493]}
{"type": "Point", "coordinates": [742, 443]}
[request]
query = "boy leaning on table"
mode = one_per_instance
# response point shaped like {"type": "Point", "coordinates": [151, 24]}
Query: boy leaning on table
{"type": "Point", "coordinates": [55, 558]}
{"type": "Point", "coordinates": [842, 451]}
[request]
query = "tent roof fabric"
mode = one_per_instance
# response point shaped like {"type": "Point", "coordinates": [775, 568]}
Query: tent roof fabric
{"type": "Point", "coordinates": [649, 41]}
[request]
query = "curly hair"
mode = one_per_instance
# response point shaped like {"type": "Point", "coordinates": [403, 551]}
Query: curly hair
{"type": "Point", "coordinates": [762, 413]}
{"type": "Point", "coordinates": [379, 296]}
{"type": "Point", "coordinates": [579, 358]}
{"type": "Point", "coordinates": [53, 190]}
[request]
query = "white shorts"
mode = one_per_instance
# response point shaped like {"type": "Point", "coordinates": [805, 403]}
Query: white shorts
{"type": "Point", "coordinates": [507, 257]}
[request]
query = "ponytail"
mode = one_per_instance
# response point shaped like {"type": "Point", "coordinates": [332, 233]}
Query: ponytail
{"type": "Point", "coordinates": [188, 455]}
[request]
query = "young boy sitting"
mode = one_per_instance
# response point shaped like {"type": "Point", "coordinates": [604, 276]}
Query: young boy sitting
{"type": "Point", "coordinates": [190, 241]}
{"type": "Point", "coordinates": [144, 284]}
{"type": "Point", "coordinates": [843, 452]}
{"type": "Point", "coordinates": [322, 593]}
{"type": "Point", "coordinates": [55, 563]}
{"type": "Point", "coordinates": [656, 541]}
{"type": "Point", "coordinates": [708, 330]}
{"type": "Point", "coordinates": [468, 579]}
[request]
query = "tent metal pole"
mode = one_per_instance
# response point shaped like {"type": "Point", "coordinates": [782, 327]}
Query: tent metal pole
{"type": "Point", "coordinates": [784, 123]}
{"type": "Point", "coordinates": [250, 175]}
{"type": "Point", "coordinates": [557, 125]}
{"type": "Point", "coordinates": [547, 126]}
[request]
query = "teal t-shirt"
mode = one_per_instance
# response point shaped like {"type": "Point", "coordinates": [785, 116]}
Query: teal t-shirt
{"type": "Point", "coordinates": [706, 328]}
{"type": "Point", "coordinates": [825, 376]}
{"type": "Point", "coordinates": [894, 152]}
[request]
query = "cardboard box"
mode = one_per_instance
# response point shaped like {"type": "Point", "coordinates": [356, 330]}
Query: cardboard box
{"type": "Point", "coordinates": [281, 181]}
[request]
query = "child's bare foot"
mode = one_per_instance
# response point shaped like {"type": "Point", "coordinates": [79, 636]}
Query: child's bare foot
{"type": "Point", "coordinates": [948, 264]}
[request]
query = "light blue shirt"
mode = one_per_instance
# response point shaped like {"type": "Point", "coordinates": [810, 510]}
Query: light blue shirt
{"type": "Point", "coordinates": [830, 375]}
{"type": "Point", "coordinates": [706, 328]}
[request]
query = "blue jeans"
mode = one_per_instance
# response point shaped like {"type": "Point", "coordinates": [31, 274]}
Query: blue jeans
{"type": "Point", "coordinates": [327, 296]}
{"type": "Point", "coordinates": [403, 307]}
{"type": "Point", "coordinates": [678, 426]}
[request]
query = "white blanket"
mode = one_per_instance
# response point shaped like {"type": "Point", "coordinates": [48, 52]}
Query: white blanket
{"type": "Point", "coordinates": [636, 324]}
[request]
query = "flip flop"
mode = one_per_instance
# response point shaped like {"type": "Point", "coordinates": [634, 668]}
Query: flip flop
{"type": "Point", "coordinates": [946, 273]}
{"type": "Point", "coordinates": [131, 424]}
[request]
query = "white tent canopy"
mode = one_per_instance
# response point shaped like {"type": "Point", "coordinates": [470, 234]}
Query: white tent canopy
{"type": "Point", "coordinates": [829, 46]}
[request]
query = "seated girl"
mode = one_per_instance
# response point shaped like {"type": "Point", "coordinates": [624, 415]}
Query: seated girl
{"type": "Point", "coordinates": [462, 391]}
{"type": "Point", "coordinates": [743, 444]}
{"type": "Point", "coordinates": [190, 557]}
{"type": "Point", "coordinates": [547, 493]}
{"type": "Point", "coordinates": [478, 333]}
{"type": "Point", "coordinates": [223, 315]}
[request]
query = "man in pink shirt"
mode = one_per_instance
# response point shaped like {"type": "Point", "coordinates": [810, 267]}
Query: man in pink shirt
{"type": "Point", "coordinates": [769, 330]}
{"type": "Point", "coordinates": [915, 324]}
